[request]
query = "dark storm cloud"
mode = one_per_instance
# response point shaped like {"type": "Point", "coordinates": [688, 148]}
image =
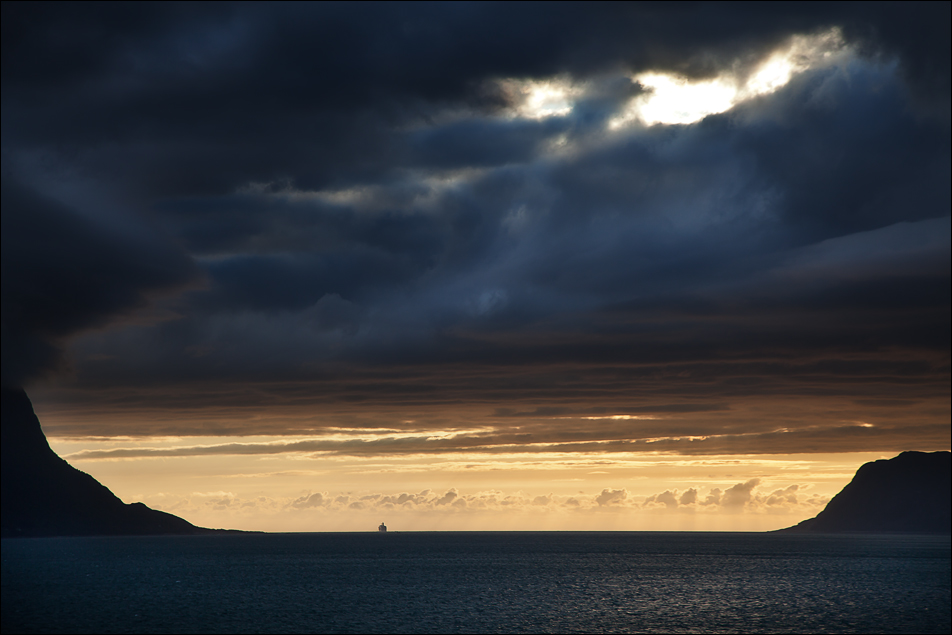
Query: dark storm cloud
{"type": "Point", "coordinates": [63, 272]}
{"type": "Point", "coordinates": [837, 177]}
{"type": "Point", "coordinates": [205, 97]}
{"type": "Point", "coordinates": [374, 217]}
{"type": "Point", "coordinates": [481, 143]}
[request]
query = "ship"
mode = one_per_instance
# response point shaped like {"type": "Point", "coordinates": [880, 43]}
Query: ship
{"type": "Point", "coordinates": [382, 528]}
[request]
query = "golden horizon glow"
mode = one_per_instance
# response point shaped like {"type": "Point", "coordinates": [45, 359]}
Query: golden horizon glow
{"type": "Point", "coordinates": [302, 491]}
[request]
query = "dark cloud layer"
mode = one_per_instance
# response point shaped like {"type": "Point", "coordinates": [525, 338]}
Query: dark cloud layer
{"type": "Point", "coordinates": [346, 198]}
{"type": "Point", "coordinates": [63, 272]}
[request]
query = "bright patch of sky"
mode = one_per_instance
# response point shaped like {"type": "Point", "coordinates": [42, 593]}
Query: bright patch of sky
{"type": "Point", "coordinates": [540, 99]}
{"type": "Point", "coordinates": [668, 99]}
{"type": "Point", "coordinates": [622, 417]}
{"type": "Point", "coordinates": [671, 99]}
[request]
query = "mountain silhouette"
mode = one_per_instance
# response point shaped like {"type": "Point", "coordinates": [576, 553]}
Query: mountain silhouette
{"type": "Point", "coordinates": [907, 494]}
{"type": "Point", "coordinates": [43, 495]}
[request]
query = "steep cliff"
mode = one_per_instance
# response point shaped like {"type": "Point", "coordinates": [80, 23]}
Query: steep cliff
{"type": "Point", "coordinates": [43, 495]}
{"type": "Point", "coordinates": [907, 494]}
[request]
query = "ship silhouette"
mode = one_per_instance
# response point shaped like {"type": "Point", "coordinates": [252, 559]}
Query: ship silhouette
{"type": "Point", "coordinates": [382, 528]}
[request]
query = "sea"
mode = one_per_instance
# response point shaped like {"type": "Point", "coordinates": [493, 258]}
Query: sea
{"type": "Point", "coordinates": [478, 582]}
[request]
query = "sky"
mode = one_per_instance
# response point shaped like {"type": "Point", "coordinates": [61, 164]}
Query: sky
{"type": "Point", "coordinates": [307, 267]}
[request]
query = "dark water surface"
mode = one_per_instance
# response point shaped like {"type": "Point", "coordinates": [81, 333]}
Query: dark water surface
{"type": "Point", "coordinates": [478, 582]}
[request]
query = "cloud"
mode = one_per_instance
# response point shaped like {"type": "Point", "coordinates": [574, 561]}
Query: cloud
{"type": "Point", "coordinates": [403, 223]}
{"type": "Point", "coordinates": [743, 497]}
{"type": "Point", "coordinates": [784, 495]}
{"type": "Point", "coordinates": [611, 497]}
{"type": "Point", "coordinates": [688, 497]}
{"type": "Point", "coordinates": [65, 272]}
{"type": "Point", "coordinates": [666, 498]}
{"type": "Point", "coordinates": [739, 495]}
{"type": "Point", "coordinates": [323, 507]}
{"type": "Point", "coordinates": [308, 500]}
{"type": "Point", "coordinates": [548, 440]}
{"type": "Point", "coordinates": [447, 498]}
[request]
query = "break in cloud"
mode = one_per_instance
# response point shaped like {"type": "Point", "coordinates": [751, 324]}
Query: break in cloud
{"type": "Point", "coordinates": [448, 217]}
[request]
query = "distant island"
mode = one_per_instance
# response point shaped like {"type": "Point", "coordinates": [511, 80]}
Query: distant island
{"type": "Point", "coordinates": [908, 494]}
{"type": "Point", "coordinates": [43, 495]}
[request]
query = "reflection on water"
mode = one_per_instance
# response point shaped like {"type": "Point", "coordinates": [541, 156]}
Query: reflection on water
{"type": "Point", "coordinates": [478, 582]}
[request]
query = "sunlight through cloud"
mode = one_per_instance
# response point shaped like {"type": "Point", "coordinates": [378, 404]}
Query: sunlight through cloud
{"type": "Point", "coordinates": [670, 99]}
{"type": "Point", "coordinates": [676, 100]}
{"type": "Point", "coordinates": [540, 99]}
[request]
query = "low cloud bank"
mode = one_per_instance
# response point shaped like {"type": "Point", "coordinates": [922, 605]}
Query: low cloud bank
{"type": "Point", "coordinates": [749, 497]}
